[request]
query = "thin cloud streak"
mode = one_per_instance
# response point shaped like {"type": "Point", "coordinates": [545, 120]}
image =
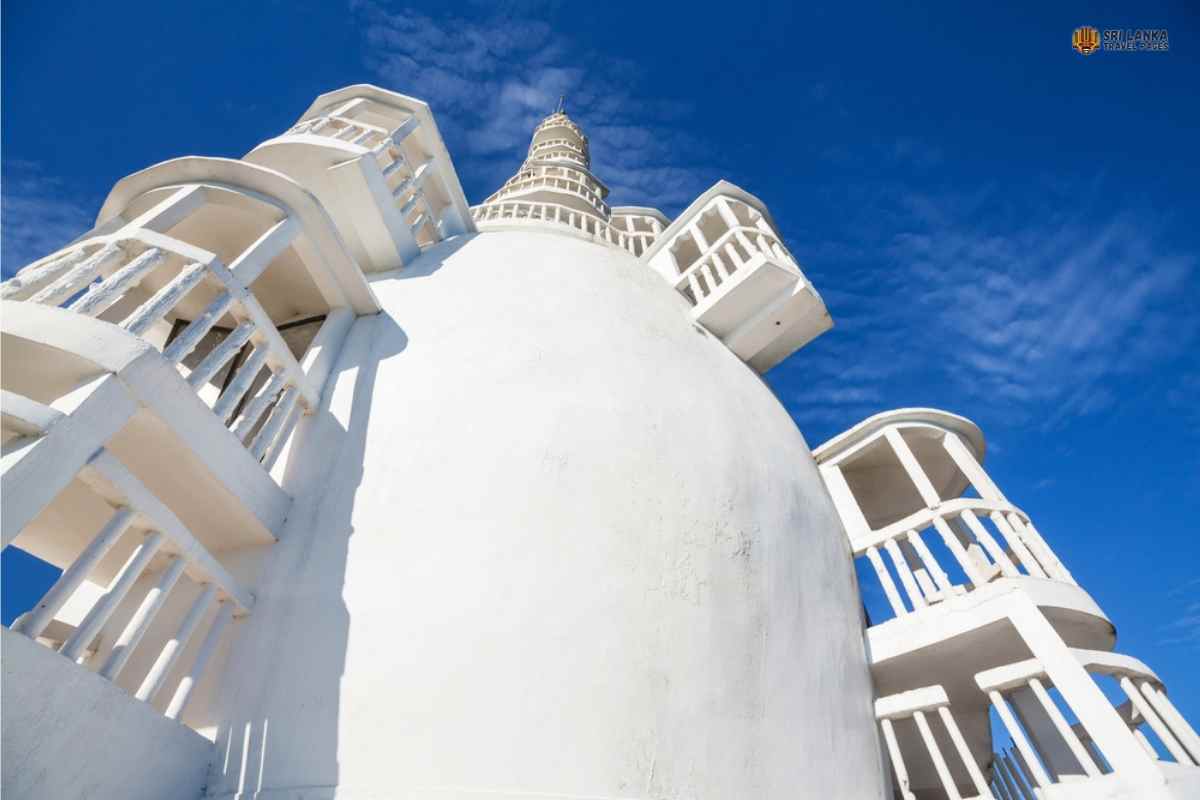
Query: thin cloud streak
{"type": "Point", "coordinates": [1025, 317]}
{"type": "Point", "coordinates": [491, 81]}
{"type": "Point", "coordinates": [40, 214]}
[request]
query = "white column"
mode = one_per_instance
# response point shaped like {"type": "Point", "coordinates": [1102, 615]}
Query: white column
{"type": "Point", "coordinates": [35, 622]}
{"type": "Point", "coordinates": [217, 357]}
{"type": "Point", "coordinates": [913, 467]}
{"type": "Point", "coordinates": [1018, 546]}
{"type": "Point", "coordinates": [844, 500]}
{"type": "Point", "coordinates": [1060, 749]}
{"type": "Point", "coordinates": [940, 578]}
{"type": "Point", "coordinates": [1080, 691]}
{"type": "Point", "coordinates": [935, 753]}
{"type": "Point", "coordinates": [1160, 729]}
{"type": "Point", "coordinates": [78, 642]}
{"type": "Point", "coordinates": [254, 260]}
{"type": "Point", "coordinates": [726, 213]}
{"type": "Point", "coordinates": [885, 579]}
{"type": "Point", "coordinates": [950, 538]}
{"type": "Point", "coordinates": [106, 293]}
{"type": "Point", "coordinates": [174, 646]}
{"type": "Point", "coordinates": [1018, 736]}
{"type": "Point", "coordinates": [906, 577]}
{"type": "Point", "coordinates": [1166, 709]}
{"type": "Point", "coordinates": [989, 543]}
{"type": "Point", "coordinates": [79, 276]}
{"type": "Point", "coordinates": [187, 340]}
{"type": "Point", "coordinates": [965, 461]}
{"type": "Point", "coordinates": [964, 752]}
{"type": "Point", "coordinates": [183, 691]}
{"type": "Point", "coordinates": [889, 736]}
{"type": "Point", "coordinates": [164, 299]}
{"type": "Point", "coordinates": [31, 279]}
{"type": "Point", "coordinates": [139, 623]}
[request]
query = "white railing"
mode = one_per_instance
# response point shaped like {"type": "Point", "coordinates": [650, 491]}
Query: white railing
{"type": "Point", "coordinates": [985, 540]}
{"type": "Point", "coordinates": [557, 143]}
{"type": "Point", "coordinates": [92, 277]}
{"type": "Point", "coordinates": [343, 129]}
{"type": "Point", "coordinates": [1054, 750]}
{"type": "Point", "coordinates": [915, 705]}
{"type": "Point", "coordinates": [568, 185]}
{"type": "Point", "coordinates": [702, 277]}
{"type": "Point", "coordinates": [560, 120]}
{"type": "Point", "coordinates": [405, 179]}
{"type": "Point", "coordinates": [517, 211]}
{"type": "Point", "coordinates": [137, 513]}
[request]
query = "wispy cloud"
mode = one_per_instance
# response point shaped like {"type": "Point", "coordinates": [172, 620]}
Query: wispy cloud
{"type": "Point", "coordinates": [40, 214]}
{"type": "Point", "coordinates": [1020, 311]}
{"type": "Point", "coordinates": [491, 80]}
{"type": "Point", "coordinates": [1184, 629]}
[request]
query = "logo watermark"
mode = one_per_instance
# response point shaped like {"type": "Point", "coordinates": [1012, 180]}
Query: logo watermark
{"type": "Point", "coordinates": [1087, 40]}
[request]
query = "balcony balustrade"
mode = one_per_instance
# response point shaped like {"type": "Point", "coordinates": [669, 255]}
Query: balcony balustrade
{"type": "Point", "coordinates": [518, 213]}
{"type": "Point", "coordinates": [981, 539]}
{"type": "Point", "coordinates": [155, 551]}
{"type": "Point", "coordinates": [1047, 751]}
{"type": "Point", "coordinates": [912, 710]}
{"type": "Point", "coordinates": [554, 184]}
{"type": "Point", "coordinates": [1043, 753]}
{"type": "Point", "coordinates": [724, 256]}
{"type": "Point", "coordinates": [376, 160]}
{"type": "Point", "coordinates": [101, 274]}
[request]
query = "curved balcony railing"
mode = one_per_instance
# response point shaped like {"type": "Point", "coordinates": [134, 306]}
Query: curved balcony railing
{"type": "Point", "coordinates": [984, 540]}
{"type": "Point", "coordinates": [521, 212]}
{"type": "Point", "coordinates": [1048, 750]}
{"type": "Point", "coordinates": [917, 705]}
{"type": "Point", "coordinates": [555, 184]}
{"type": "Point", "coordinates": [1040, 746]}
{"type": "Point", "coordinates": [343, 129]}
{"type": "Point", "coordinates": [569, 144]}
{"type": "Point", "coordinates": [563, 172]}
{"type": "Point", "coordinates": [95, 275]}
{"type": "Point", "coordinates": [560, 120]}
{"type": "Point", "coordinates": [573, 151]}
{"type": "Point", "coordinates": [701, 278]}
{"type": "Point", "coordinates": [152, 530]}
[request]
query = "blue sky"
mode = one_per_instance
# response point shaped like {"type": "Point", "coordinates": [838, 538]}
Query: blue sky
{"type": "Point", "coordinates": [999, 226]}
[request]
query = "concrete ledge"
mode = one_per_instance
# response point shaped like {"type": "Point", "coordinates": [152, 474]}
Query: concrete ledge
{"type": "Point", "coordinates": [68, 733]}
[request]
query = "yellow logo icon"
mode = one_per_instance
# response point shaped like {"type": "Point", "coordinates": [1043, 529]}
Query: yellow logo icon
{"type": "Point", "coordinates": [1086, 40]}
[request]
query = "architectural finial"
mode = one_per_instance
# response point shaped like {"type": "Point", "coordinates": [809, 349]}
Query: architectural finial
{"type": "Point", "coordinates": [562, 99]}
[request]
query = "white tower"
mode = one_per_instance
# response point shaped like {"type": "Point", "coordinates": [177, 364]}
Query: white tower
{"type": "Point", "coordinates": [362, 492]}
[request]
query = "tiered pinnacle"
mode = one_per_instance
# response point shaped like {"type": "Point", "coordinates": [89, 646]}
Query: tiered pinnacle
{"type": "Point", "coordinates": [557, 170]}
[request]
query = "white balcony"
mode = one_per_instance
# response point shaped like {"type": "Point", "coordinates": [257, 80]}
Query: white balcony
{"type": "Point", "coordinates": [139, 339]}
{"type": "Point", "coordinates": [376, 160]}
{"type": "Point", "coordinates": [724, 255]}
{"type": "Point", "coordinates": [1060, 734]}
{"type": "Point", "coordinates": [899, 481]}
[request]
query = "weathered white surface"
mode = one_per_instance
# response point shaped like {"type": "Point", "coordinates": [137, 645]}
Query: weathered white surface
{"type": "Point", "coordinates": [550, 539]}
{"type": "Point", "coordinates": [68, 733]}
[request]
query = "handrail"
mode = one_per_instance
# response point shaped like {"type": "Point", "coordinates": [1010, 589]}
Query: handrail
{"type": "Point", "coordinates": [924, 518]}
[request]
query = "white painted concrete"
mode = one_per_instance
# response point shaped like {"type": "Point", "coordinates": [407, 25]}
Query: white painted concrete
{"type": "Point", "coordinates": [68, 733]}
{"type": "Point", "coordinates": [567, 545]}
